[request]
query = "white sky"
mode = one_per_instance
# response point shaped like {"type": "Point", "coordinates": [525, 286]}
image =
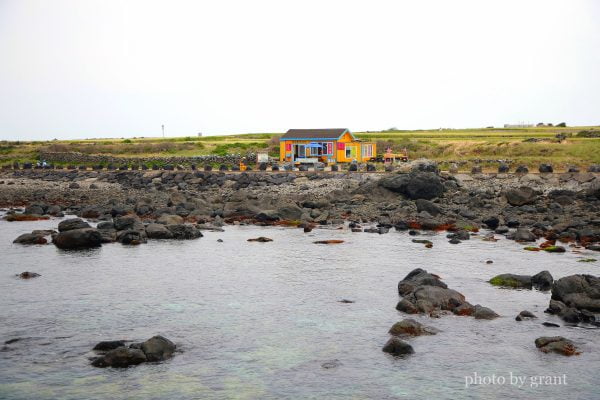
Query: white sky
{"type": "Point", "coordinates": [87, 68]}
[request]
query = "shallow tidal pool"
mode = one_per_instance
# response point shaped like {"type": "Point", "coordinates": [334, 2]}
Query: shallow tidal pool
{"type": "Point", "coordinates": [259, 320]}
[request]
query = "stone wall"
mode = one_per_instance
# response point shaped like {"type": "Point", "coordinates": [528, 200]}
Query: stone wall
{"type": "Point", "coordinates": [97, 159]}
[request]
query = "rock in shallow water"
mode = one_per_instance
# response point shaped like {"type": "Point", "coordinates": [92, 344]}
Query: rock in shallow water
{"type": "Point", "coordinates": [30, 238]}
{"type": "Point", "coordinates": [556, 344]}
{"type": "Point", "coordinates": [484, 313]}
{"type": "Point", "coordinates": [398, 347]}
{"type": "Point", "coordinates": [109, 345]}
{"type": "Point", "coordinates": [260, 239]}
{"type": "Point", "coordinates": [411, 327]}
{"type": "Point", "coordinates": [28, 275]}
{"type": "Point", "coordinates": [78, 239]}
{"type": "Point", "coordinates": [158, 348]}
{"type": "Point", "coordinates": [121, 357]}
{"type": "Point", "coordinates": [523, 315]}
{"type": "Point", "coordinates": [579, 291]}
{"type": "Point", "coordinates": [71, 224]}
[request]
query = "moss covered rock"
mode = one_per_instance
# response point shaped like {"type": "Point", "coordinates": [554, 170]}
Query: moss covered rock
{"type": "Point", "coordinates": [512, 281]}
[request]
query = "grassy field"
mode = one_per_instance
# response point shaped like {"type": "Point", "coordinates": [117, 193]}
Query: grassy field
{"type": "Point", "coordinates": [529, 146]}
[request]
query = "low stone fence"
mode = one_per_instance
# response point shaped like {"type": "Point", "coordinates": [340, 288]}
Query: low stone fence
{"type": "Point", "coordinates": [99, 159]}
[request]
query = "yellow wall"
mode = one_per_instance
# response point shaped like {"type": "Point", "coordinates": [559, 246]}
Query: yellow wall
{"type": "Point", "coordinates": [340, 155]}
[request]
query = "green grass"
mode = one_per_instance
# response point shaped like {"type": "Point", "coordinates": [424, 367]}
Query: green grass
{"type": "Point", "coordinates": [449, 145]}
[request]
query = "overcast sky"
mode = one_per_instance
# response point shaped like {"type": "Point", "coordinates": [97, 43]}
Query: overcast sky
{"type": "Point", "coordinates": [87, 68]}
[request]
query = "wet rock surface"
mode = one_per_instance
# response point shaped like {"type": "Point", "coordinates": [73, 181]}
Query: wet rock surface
{"type": "Point", "coordinates": [556, 344]}
{"type": "Point", "coordinates": [118, 355]}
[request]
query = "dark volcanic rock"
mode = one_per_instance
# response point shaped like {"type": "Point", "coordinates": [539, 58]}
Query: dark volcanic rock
{"type": "Point", "coordinates": [158, 231]}
{"type": "Point", "coordinates": [512, 280]}
{"type": "Point", "coordinates": [411, 327]}
{"type": "Point", "coordinates": [28, 275]}
{"type": "Point", "coordinates": [556, 344]}
{"type": "Point", "coordinates": [491, 222]}
{"type": "Point", "coordinates": [484, 313]}
{"type": "Point", "coordinates": [398, 347]}
{"type": "Point", "coordinates": [184, 231]}
{"type": "Point", "coordinates": [72, 223]}
{"type": "Point", "coordinates": [109, 345]}
{"type": "Point", "coordinates": [425, 293]}
{"type": "Point", "coordinates": [418, 277]}
{"type": "Point", "coordinates": [523, 315]}
{"type": "Point", "coordinates": [78, 239]}
{"type": "Point", "coordinates": [524, 235]}
{"type": "Point", "coordinates": [31, 238]}
{"type": "Point", "coordinates": [158, 348]}
{"type": "Point", "coordinates": [520, 196]}
{"type": "Point", "coordinates": [415, 185]}
{"type": "Point", "coordinates": [428, 206]}
{"type": "Point", "coordinates": [578, 291]}
{"type": "Point", "coordinates": [542, 280]}
{"type": "Point", "coordinates": [121, 357]}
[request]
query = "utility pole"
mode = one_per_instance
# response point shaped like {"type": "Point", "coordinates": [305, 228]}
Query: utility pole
{"type": "Point", "coordinates": [163, 130]}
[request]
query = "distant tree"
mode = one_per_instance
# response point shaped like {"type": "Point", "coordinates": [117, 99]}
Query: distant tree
{"type": "Point", "coordinates": [562, 125]}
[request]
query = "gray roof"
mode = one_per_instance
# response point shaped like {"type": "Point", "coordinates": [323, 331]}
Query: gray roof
{"type": "Point", "coordinates": [332, 134]}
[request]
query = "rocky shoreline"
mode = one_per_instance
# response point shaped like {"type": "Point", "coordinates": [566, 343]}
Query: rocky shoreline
{"type": "Point", "coordinates": [132, 207]}
{"type": "Point", "coordinates": [522, 206]}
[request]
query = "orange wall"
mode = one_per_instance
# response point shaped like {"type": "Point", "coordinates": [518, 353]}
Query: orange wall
{"type": "Point", "coordinates": [340, 155]}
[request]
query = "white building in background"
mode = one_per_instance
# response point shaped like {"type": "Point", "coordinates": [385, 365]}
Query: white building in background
{"type": "Point", "coordinates": [521, 125]}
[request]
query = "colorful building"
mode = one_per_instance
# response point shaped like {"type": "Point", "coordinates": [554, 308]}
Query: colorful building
{"type": "Point", "coordinates": [324, 145]}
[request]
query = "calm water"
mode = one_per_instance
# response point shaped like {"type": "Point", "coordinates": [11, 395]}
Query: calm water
{"type": "Point", "coordinates": [257, 320]}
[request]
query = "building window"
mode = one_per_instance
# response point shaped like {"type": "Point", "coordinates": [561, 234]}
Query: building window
{"type": "Point", "coordinates": [367, 150]}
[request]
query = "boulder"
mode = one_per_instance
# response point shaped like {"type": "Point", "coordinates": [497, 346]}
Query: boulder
{"type": "Point", "coordinates": [31, 238]}
{"type": "Point", "coordinates": [158, 231]}
{"type": "Point", "coordinates": [130, 236]}
{"type": "Point", "coordinates": [438, 297]}
{"type": "Point", "coordinates": [460, 235]}
{"type": "Point", "coordinates": [411, 327]}
{"type": "Point", "coordinates": [503, 168]}
{"type": "Point", "coordinates": [522, 169]}
{"type": "Point", "coordinates": [407, 307]}
{"type": "Point", "coordinates": [524, 235]}
{"type": "Point", "coordinates": [523, 315]}
{"type": "Point", "coordinates": [158, 348]}
{"type": "Point", "coordinates": [184, 231]}
{"type": "Point", "coordinates": [128, 222]}
{"type": "Point", "coordinates": [168, 219]}
{"type": "Point", "coordinates": [109, 345]}
{"type": "Point", "coordinates": [484, 313]}
{"type": "Point", "coordinates": [398, 347]}
{"type": "Point", "coordinates": [418, 277]}
{"type": "Point", "coordinates": [36, 209]}
{"type": "Point", "coordinates": [556, 344]}
{"type": "Point", "coordinates": [91, 212]}
{"type": "Point", "coordinates": [512, 281]}
{"type": "Point", "coordinates": [578, 291]}
{"type": "Point", "coordinates": [121, 357]}
{"type": "Point", "coordinates": [520, 196]}
{"type": "Point", "coordinates": [72, 223]}
{"type": "Point", "coordinates": [491, 222]}
{"type": "Point", "coordinates": [428, 206]}
{"type": "Point", "coordinates": [415, 185]}
{"type": "Point", "coordinates": [546, 168]}
{"type": "Point", "coordinates": [542, 280]}
{"type": "Point", "coordinates": [78, 239]}
{"type": "Point", "coordinates": [289, 211]}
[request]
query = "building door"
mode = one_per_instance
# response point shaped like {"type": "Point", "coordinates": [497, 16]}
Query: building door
{"type": "Point", "coordinates": [299, 151]}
